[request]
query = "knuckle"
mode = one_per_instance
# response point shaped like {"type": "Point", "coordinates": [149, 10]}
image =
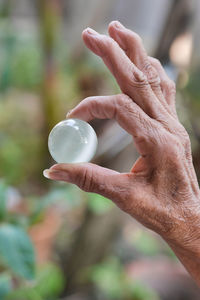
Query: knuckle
{"type": "Point", "coordinates": [138, 79]}
{"type": "Point", "coordinates": [108, 41]}
{"type": "Point", "coordinates": [141, 139]}
{"type": "Point", "coordinates": [88, 100]}
{"type": "Point", "coordinates": [124, 105]}
{"type": "Point", "coordinates": [169, 86]}
{"type": "Point", "coordinates": [184, 137]}
{"type": "Point", "coordinates": [172, 147]}
{"type": "Point", "coordinates": [126, 108]}
{"type": "Point", "coordinates": [151, 73]}
{"type": "Point", "coordinates": [108, 45]}
{"type": "Point", "coordinates": [90, 104]}
{"type": "Point", "coordinates": [147, 137]}
{"type": "Point", "coordinates": [123, 99]}
{"type": "Point", "coordinates": [176, 145]}
{"type": "Point", "coordinates": [155, 61]}
{"type": "Point", "coordinates": [105, 45]}
{"type": "Point", "coordinates": [85, 181]}
{"type": "Point", "coordinates": [172, 85]}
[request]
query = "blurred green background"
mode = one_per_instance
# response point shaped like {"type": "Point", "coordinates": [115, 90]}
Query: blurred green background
{"type": "Point", "coordinates": [57, 242]}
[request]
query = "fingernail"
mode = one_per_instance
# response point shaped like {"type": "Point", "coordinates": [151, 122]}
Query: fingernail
{"type": "Point", "coordinates": [117, 24]}
{"type": "Point", "coordinates": [93, 41]}
{"type": "Point", "coordinates": [46, 173]}
{"type": "Point", "coordinates": [57, 174]}
{"type": "Point", "coordinates": [68, 114]}
{"type": "Point", "coordinates": [91, 31]}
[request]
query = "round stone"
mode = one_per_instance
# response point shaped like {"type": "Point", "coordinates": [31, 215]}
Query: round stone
{"type": "Point", "coordinates": [72, 141]}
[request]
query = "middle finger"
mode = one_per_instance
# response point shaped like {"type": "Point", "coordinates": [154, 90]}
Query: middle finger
{"type": "Point", "coordinates": [132, 44]}
{"type": "Point", "coordinates": [131, 80]}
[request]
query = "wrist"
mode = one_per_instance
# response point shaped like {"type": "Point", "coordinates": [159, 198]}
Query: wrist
{"type": "Point", "coordinates": [185, 233]}
{"type": "Point", "coordinates": [189, 256]}
{"type": "Point", "coordinates": [187, 239]}
{"type": "Point", "coordinates": [185, 242]}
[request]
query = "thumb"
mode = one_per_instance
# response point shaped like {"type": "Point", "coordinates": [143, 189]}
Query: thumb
{"type": "Point", "coordinates": [92, 178]}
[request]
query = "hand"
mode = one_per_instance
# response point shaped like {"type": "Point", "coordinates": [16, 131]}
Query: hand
{"type": "Point", "coordinates": [161, 190]}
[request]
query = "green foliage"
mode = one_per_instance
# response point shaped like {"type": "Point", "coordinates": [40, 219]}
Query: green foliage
{"type": "Point", "coordinates": [11, 157]}
{"type": "Point", "coordinates": [112, 281]}
{"type": "Point", "coordinates": [6, 216]}
{"type": "Point", "coordinates": [17, 255]}
{"type": "Point", "coordinates": [48, 284]}
{"type": "Point", "coordinates": [70, 196]}
{"type": "Point", "coordinates": [19, 138]}
{"type": "Point", "coordinates": [21, 59]}
{"type": "Point", "coordinates": [5, 285]}
{"type": "Point", "coordinates": [109, 278]}
{"type": "Point", "coordinates": [170, 253]}
{"type": "Point", "coordinates": [140, 291]}
{"type": "Point", "coordinates": [99, 204]}
{"type": "Point", "coordinates": [146, 243]}
{"type": "Point", "coordinates": [16, 250]}
{"type": "Point", "coordinates": [193, 88]}
{"type": "Point", "coordinates": [27, 66]}
{"type": "Point", "coordinates": [3, 197]}
{"type": "Point", "coordinates": [24, 293]}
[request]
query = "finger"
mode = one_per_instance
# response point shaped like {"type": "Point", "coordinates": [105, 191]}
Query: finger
{"type": "Point", "coordinates": [130, 79]}
{"type": "Point", "coordinates": [93, 178]}
{"type": "Point", "coordinates": [119, 107]}
{"type": "Point", "coordinates": [127, 113]}
{"type": "Point", "coordinates": [132, 44]}
{"type": "Point", "coordinates": [167, 85]}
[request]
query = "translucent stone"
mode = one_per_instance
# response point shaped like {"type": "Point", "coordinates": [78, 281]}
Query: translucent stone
{"type": "Point", "coordinates": [72, 141]}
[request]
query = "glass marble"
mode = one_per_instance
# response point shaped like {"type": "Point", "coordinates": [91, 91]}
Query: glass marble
{"type": "Point", "coordinates": [72, 141]}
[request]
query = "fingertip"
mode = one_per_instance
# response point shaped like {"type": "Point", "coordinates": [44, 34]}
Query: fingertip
{"type": "Point", "coordinates": [46, 173]}
{"type": "Point", "coordinates": [117, 32]}
{"type": "Point", "coordinates": [81, 115]}
{"type": "Point", "coordinates": [116, 25]}
{"type": "Point", "coordinates": [91, 39]}
{"type": "Point", "coordinates": [85, 35]}
{"type": "Point", "coordinates": [69, 114]}
{"type": "Point", "coordinates": [88, 33]}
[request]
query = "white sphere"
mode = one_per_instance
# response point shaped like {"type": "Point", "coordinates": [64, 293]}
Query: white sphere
{"type": "Point", "coordinates": [72, 141]}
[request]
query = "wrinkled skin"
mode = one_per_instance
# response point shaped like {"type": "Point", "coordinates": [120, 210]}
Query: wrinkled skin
{"type": "Point", "coordinates": [161, 190]}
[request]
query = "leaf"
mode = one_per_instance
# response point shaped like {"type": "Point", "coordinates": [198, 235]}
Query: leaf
{"type": "Point", "coordinates": [5, 285]}
{"type": "Point", "coordinates": [16, 251]}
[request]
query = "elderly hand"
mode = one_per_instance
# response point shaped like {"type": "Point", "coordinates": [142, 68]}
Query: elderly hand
{"type": "Point", "coordinates": [161, 190]}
